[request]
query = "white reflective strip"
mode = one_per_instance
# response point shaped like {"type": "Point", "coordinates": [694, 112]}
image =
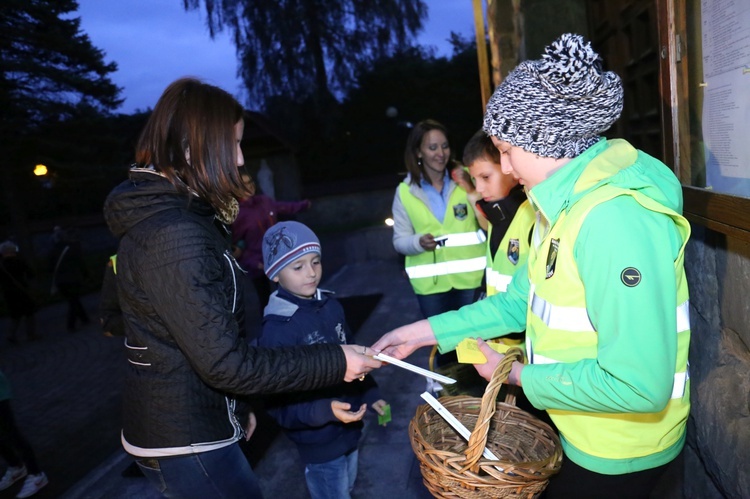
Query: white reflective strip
{"type": "Point", "coordinates": [464, 239]}
{"type": "Point", "coordinates": [683, 316]}
{"type": "Point", "coordinates": [574, 319]}
{"type": "Point", "coordinates": [497, 280]}
{"type": "Point", "coordinates": [229, 259]}
{"type": "Point", "coordinates": [678, 386]}
{"type": "Point", "coordinates": [128, 345]}
{"type": "Point", "coordinates": [138, 363]}
{"type": "Point", "coordinates": [444, 268]}
{"type": "Point", "coordinates": [541, 359]}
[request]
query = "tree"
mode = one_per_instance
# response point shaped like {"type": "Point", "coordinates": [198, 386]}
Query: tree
{"type": "Point", "coordinates": [49, 67]}
{"type": "Point", "coordinates": [49, 73]}
{"type": "Point", "coordinates": [311, 48]}
{"type": "Point", "coordinates": [367, 140]}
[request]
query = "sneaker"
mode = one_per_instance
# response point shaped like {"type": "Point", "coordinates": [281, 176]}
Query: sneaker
{"type": "Point", "coordinates": [12, 475]}
{"type": "Point", "coordinates": [32, 485]}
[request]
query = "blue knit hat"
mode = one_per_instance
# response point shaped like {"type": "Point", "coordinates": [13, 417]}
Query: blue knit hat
{"type": "Point", "coordinates": [285, 242]}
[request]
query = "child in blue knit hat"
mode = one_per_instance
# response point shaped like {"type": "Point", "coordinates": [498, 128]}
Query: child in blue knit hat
{"type": "Point", "coordinates": [325, 424]}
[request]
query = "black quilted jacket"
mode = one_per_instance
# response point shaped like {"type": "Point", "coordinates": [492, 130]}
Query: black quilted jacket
{"type": "Point", "coordinates": [178, 290]}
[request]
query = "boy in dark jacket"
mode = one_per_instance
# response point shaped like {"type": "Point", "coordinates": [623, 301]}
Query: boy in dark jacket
{"type": "Point", "coordinates": [325, 424]}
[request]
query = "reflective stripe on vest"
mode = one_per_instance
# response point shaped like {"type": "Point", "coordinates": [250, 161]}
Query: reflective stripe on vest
{"type": "Point", "coordinates": [497, 281]}
{"type": "Point", "coordinates": [464, 239]}
{"type": "Point", "coordinates": [445, 268]}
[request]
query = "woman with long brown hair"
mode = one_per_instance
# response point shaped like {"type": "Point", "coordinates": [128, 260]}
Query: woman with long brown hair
{"type": "Point", "coordinates": [181, 299]}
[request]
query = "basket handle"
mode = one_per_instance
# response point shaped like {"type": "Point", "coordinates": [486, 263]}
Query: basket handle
{"type": "Point", "coordinates": [478, 438]}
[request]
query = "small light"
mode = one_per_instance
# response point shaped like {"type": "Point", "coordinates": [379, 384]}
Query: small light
{"type": "Point", "coordinates": [389, 222]}
{"type": "Point", "coordinates": [40, 170]}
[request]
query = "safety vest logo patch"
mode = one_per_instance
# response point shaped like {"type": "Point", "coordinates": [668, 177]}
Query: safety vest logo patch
{"type": "Point", "coordinates": [630, 277]}
{"type": "Point", "coordinates": [514, 250]}
{"type": "Point", "coordinates": [460, 211]}
{"type": "Point", "coordinates": [554, 244]}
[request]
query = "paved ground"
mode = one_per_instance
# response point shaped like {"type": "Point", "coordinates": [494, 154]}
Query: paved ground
{"type": "Point", "coordinates": [67, 402]}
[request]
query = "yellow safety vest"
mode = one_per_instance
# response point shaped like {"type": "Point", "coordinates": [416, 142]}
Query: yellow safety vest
{"type": "Point", "coordinates": [512, 251]}
{"type": "Point", "coordinates": [460, 262]}
{"type": "Point", "coordinates": [559, 330]}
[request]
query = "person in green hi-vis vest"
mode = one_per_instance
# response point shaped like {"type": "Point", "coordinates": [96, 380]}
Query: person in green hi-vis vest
{"type": "Point", "coordinates": [603, 295]}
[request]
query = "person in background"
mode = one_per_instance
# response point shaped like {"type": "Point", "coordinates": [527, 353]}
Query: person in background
{"type": "Point", "coordinates": [258, 212]}
{"type": "Point", "coordinates": [444, 272]}
{"type": "Point", "coordinates": [182, 302]}
{"type": "Point", "coordinates": [68, 274]}
{"type": "Point", "coordinates": [503, 203]}
{"type": "Point", "coordinates": [325, 424]}
{"type": "Point", "coordinates": [437, 229]}
{"type": "Point", "coordinates": [603, 295]}
{"type": "Point", "coordinates": [15, 275]}
{"type": "Point", "coordinates": [16, 450]}
{"type": "Point", "coordinates": [110, 315]}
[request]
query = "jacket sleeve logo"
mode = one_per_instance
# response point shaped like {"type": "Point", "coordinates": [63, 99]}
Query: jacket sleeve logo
{"type": "Point", "coordinates": [630, 277]}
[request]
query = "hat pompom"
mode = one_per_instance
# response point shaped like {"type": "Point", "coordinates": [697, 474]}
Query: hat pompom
{"type": "Point", "coordinates": [570, 67]}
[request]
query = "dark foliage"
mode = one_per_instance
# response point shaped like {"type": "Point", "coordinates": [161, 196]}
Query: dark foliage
{"type": "Point", "coordinates": [310, 48]}
{"type": "Point", "coordinates": [364, 140]}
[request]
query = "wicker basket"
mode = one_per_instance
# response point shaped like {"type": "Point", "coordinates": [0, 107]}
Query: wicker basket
{"type": "Point", "coordinates": [529, 449]}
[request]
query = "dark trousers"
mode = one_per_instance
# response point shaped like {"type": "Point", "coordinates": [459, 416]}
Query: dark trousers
{"type": "Point", "coordinates": [72, 294]}
{"type": "Point", "coordinates": [575, 482]}
{"type": "Point", "coordinates": [14, 448]}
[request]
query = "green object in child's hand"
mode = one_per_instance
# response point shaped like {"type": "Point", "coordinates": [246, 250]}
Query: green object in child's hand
{"type": "Point", "coordinates": [385, 418]}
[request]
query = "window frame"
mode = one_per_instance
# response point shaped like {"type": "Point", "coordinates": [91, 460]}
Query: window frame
{"type": "Point", "coordinates": [723, 213]}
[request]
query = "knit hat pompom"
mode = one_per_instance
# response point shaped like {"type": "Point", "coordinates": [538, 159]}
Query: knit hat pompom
{"type": "Point", "coordinates": [570, 67]}
{"type": "Point", "coordinates": [284, 243]}
{"type": "Point", "coordinates": [556, 106]}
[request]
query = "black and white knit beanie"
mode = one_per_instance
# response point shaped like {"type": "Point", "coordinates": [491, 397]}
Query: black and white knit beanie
{"type": "Point", "coordinates": [556, 106]}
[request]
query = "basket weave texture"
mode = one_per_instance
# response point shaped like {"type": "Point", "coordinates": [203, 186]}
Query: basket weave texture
{"type": "Point", "coordinates": [528, 449]}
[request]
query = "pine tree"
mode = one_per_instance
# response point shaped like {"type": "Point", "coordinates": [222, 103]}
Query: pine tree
{"type": "Point", "coordinates": [50, 72]}
{"type": "Point", "coordinates": [49, 68]}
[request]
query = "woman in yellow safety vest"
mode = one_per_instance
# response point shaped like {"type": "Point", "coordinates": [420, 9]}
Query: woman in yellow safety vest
{"type": "Point", "coordinates": [435, 225]}
{"type": "Point", "coordinates": [603, 296]}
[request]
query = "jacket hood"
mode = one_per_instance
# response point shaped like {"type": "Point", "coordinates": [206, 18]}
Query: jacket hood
{"type": "Point", "coordinates": [623, 166]}
{"type": "Point", "coordinates": [284, 304]}
{"type": "Point", "coordinates": [143, 195]}
{"type": "Point", "coordinates": [608, 162]}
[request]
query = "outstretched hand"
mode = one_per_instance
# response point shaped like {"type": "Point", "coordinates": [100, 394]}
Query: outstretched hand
{"type": "Point", "coordinates": [341, 411]}
{"type": "Point", "coordinates": [403, 341]}
{"type": "Point", "coordinates": [359, 362]}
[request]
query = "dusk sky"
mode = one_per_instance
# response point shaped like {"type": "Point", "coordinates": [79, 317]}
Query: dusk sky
{"type": "Point", "coordinates": [155, 42]}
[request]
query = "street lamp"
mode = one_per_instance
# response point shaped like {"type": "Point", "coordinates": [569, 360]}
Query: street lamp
{"type": "Point", "coordinates": [40, 170]}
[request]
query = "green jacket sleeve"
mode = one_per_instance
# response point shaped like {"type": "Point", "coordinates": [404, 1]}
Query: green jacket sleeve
{"type": "Point", "coordinates": [636, 326]}
{"type": "Point", "coordinates": [494, 316]}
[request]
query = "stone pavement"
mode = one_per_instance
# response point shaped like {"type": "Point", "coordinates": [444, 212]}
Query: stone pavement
{"type": "Point", "coordinates": [67, 402]}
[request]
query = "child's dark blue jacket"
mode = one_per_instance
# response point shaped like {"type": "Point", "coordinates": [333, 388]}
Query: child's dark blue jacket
{"type": "Point", "coordinates": [306, 417]}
